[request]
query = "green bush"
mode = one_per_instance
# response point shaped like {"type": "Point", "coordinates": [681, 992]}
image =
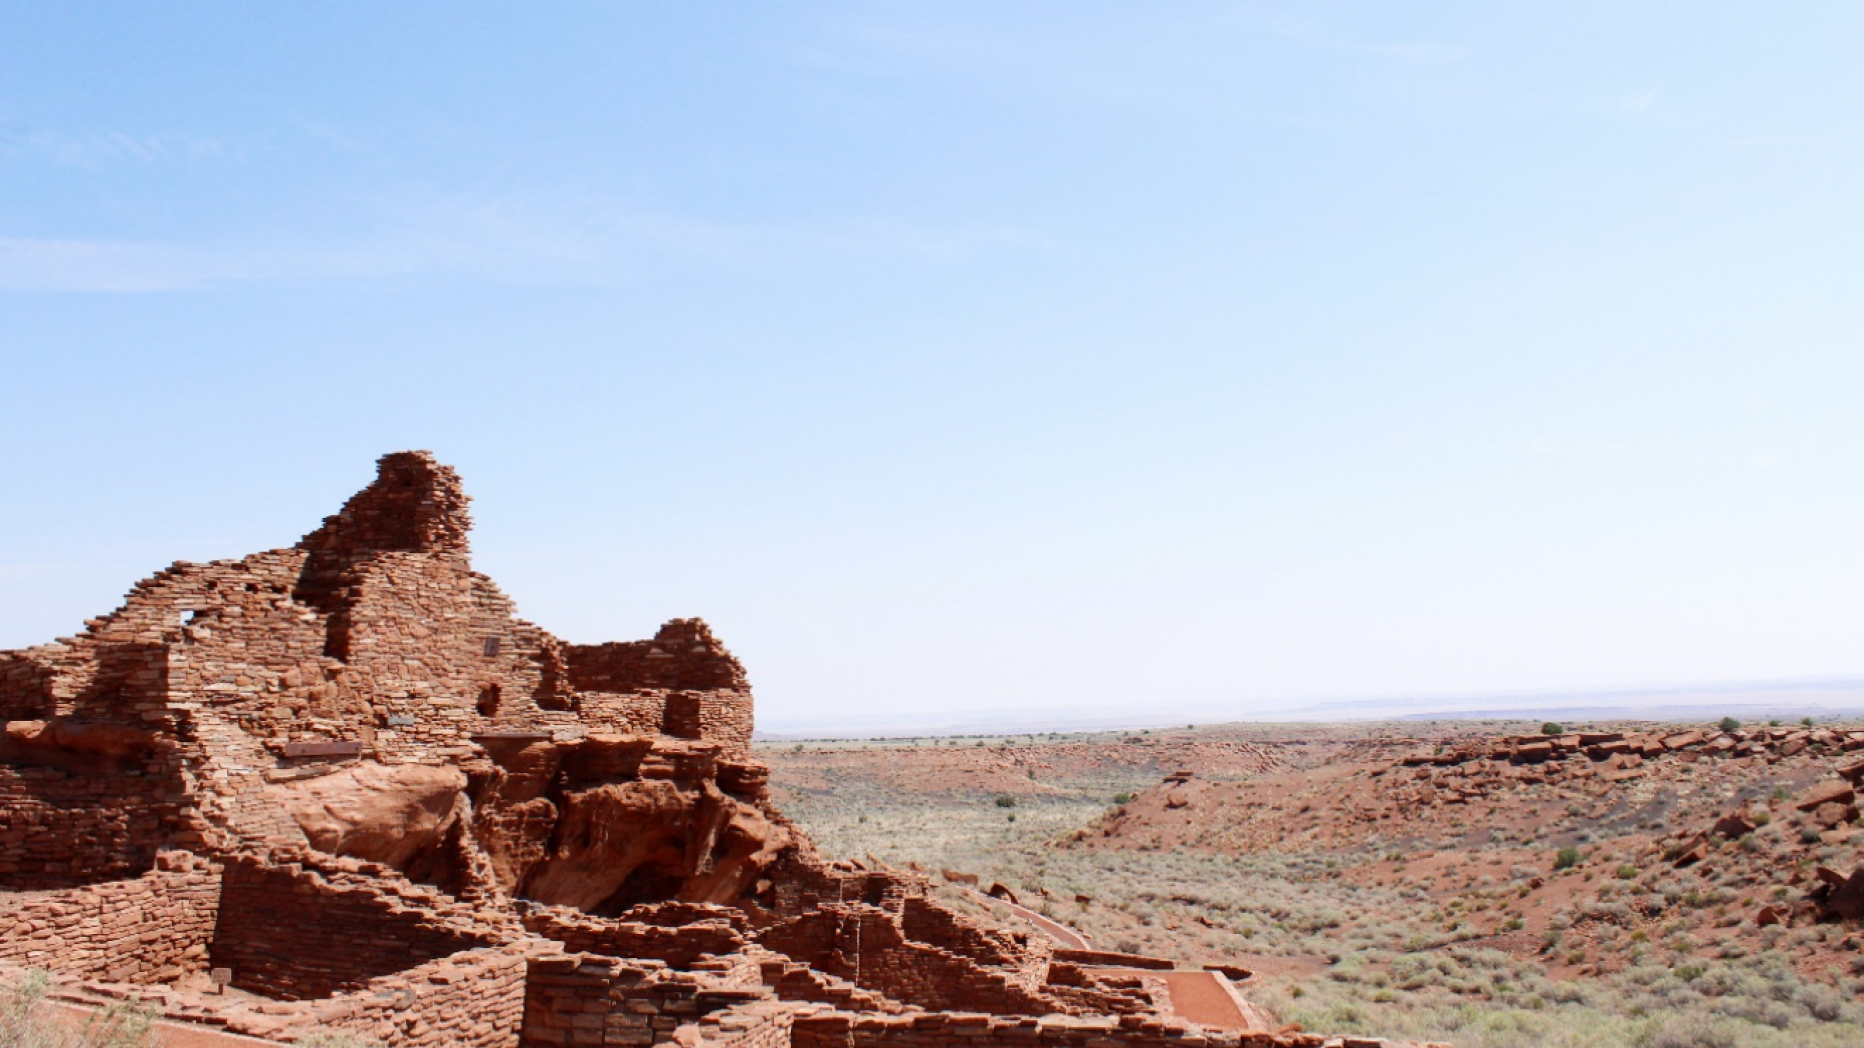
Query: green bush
{"type": "Point", "coordinates": [1004, 800]}
{"type": "Point", "coordinates": [1566, 858]}
{"type": "Point", "coordinates": [1550, 728]}
{"type": "Point", "coordinates": [1729, 724]}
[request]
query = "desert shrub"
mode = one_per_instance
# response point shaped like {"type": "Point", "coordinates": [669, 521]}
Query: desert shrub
{"type": "Point", "coordinates": [1729, 724]}
{"type": "Point", "coordinates": [1004, 800]}
{"type": "Point", "coordinates": [1762, 818]}
{"type": "Point", "coordinates": [23, 1026]}
{"type": "Point", "coordinates": [1627, 872]}
{"type": "Point", "coordinates": [1566, 858]}
{"type": "Point", "coordinates": [1550, 728]}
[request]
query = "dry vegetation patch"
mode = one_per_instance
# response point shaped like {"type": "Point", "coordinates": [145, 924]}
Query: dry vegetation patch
{"type": "Point", "coordinates": [1517, 905]}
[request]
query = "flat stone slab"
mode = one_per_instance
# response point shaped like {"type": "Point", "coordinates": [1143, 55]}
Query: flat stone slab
{"type": "Point", "coordinates": [342, 748]}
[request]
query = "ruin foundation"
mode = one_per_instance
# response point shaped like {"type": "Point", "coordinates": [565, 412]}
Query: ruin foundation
{"type": "Point", "coordinates": [343, 788]}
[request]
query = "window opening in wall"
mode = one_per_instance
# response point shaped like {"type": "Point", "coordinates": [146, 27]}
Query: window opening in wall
{"type": "Point", "coordinates": [488, 700]}
{"type": "Point", "coordinates": [491, 647]}
{"type": "Point", "coordinates": [188, 615]}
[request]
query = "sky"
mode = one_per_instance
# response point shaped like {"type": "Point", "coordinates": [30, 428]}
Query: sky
{"type": "Point", "coordinates": [966, 358]}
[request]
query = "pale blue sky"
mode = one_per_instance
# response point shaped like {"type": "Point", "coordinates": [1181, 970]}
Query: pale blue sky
{"type": "Point", "coordinates": [971, 357]}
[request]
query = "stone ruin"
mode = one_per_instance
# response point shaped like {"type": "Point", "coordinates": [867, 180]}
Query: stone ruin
{"type": "Point", "coordinates": [342, 788]}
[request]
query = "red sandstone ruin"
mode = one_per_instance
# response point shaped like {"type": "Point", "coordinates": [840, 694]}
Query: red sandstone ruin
{"type": "Point", "coordinates": [342, 787]}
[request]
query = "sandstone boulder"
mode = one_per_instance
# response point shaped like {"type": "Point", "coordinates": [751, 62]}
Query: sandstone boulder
{"type": "Point", "coordinates": [1833, 814]}
{"type": "Point", "coordinates": [1847, 899]}
{"type": "Point", "coordinates": [382, 813]}
{"type": "Point", "coordinates": [1839, 792]}
{"type": "Point", "coordinates": [1733, 826]}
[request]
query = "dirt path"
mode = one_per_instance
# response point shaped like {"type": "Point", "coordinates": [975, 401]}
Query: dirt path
{"type": "Point", "coordinates": [1061, 933]}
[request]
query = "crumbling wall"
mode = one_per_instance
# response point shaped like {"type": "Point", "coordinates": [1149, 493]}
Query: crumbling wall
{"type": "Point", "coordinates": [294, 933]}
{"type": "Point", "coordinates": [865, 945]}
{"type": "Point", "coordinates": [152, 929]}
{"type": "Point", "coordinates": [803, 883]}
{"type": "Point", "coordinates": [927, 922]}
{"type": "Point", "coordinates": [677, 946]}
{"type": "Point", "coordinates": [583, 999]}
{"type": "Point", "coordinates": [469, 1000]}
{"type": "Point", "coordinates": [848, 1030]}
{"type": "Point", "coordinates": [684, 674]}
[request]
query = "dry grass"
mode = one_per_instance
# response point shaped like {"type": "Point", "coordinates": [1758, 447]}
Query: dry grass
{"type": "Point", "coordinates": [1383, 960]}
{"type": "Point", "coordinates": [27, 1022]}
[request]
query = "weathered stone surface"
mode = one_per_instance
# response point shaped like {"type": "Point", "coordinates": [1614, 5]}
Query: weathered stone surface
{"type": "Point", "coordinates": [383, 814]}
{"type": "Point", "coordinates": [347, 780]}
{"type": "Point", "coordinates": [1831, 792]}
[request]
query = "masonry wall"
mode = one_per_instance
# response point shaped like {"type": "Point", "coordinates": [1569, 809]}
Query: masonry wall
{"type": "Point", "coordinates": [926, 922]}
{"type": "Point", "coordinates": [678, 946]}
{"type": "Point", "coordinates": [801, 886]}
{"type": "Point", "coordinates": [471, 1000]}
{"type": "Point", "coordinates": [698, 687]}
{"type": "Point", "coordinates": [152, 929]}
{"type": "Point", "coordinates": [60, 829]}
{"type": "Point", "coordinates": [864, 945]}
{"type": "Point", "coordinates": [586, 1000]}
{"type": "Point", "coordinates": [291, 933]}
{"type": "Point", "coordinates": [846, 1030]}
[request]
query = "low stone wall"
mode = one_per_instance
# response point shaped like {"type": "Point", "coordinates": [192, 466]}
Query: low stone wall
{"type": "Point", "coordinates": [581, 999]}
{"type": "Point", "coordinates": [934, 925]}
{"type": "Point", "coordinates": [865, 945]}
{"type": "Point", "coordinates": [472, 1000]}
{"type": "Point", "coordinates": [678, 946]}
{"type": "Point", "coordinates": [294, 934]}
{"type": "Point", "coordinates": [848, 1030]}
{"type": "Point", "coordinates": [152, 929]}
{"type": "Point", "coordinates": [754, 1024]}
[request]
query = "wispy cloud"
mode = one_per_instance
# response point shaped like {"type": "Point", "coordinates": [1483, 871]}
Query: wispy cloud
{"type": "Point", "coordinates": [507, 241]}
{"type": "Point", "coordinates": [112, 148]}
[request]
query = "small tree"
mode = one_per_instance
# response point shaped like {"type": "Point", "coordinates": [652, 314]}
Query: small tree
{"type": "Point", "coordinates": [1807, 721]}
{"type": "Point", "coordinates": [1550, 728]}
{"type": "Point", "coordinates": [1729, 724]}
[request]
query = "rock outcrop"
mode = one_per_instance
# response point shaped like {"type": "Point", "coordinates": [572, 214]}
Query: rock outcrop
{"type": "Point", "coordinates": [346, 779]}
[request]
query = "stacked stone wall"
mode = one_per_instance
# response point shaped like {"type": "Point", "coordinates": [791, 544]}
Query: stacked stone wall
{"type": "Point", "coordinates": [62, 829]}
{"type": "Point", "coordinates": [154, 928]}
{"type": "Point", "coordinates": [948, 1030]}
{"type": "Point", "coordinates": [682, 683]}
{"type": "Point", "coordinates": [292, 933]}
{"type": "Point", "coordinates": [803, 885]}
{"type": "Point", "coordinates": [753, 1024]}
{"type": "Point", "coordinates": [929, 923]}
{"type": "Point", "coordinates": [678, 946]}
{"type": "Point", "coordinates": [470, 1000]}
{"type": "Point", "coordinates": [865, 945]}
{"type": "Point", "coordinates": [581, 999]}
